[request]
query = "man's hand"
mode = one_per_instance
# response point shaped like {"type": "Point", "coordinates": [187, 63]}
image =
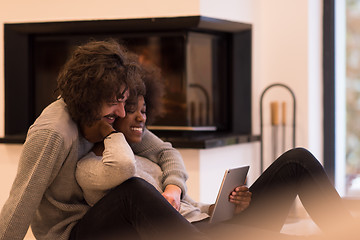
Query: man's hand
{"type": "Point", "coordinates": [97, 131]}
{"type": "Point", "coordinates": [172, 194]}
{"type": "Point", "coordinates": [241, 197]}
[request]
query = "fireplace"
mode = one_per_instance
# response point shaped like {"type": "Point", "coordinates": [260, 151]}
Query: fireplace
{"type": "Point", "coordinates": [206, 64]}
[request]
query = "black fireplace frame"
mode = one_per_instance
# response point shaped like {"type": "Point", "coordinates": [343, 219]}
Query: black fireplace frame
{"type": "Point", "coordinates": [19, 87]}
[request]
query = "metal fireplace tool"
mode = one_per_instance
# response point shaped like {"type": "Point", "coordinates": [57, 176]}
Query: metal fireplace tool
{"type": "Point", "coordinates": [275, 123]}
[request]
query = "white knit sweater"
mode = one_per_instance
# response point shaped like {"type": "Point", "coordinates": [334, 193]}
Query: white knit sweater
{"type": "Point", "coordinates": [97, 175]}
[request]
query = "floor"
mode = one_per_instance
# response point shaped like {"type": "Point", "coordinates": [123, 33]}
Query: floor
{"type": "Point", "coordinates": [298, 222]}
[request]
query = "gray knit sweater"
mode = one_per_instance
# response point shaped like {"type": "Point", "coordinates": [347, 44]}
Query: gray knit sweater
{"type": "Point", "coordinates": [45, 193]}
{"type": "Point", "coordinates": [97, 175]}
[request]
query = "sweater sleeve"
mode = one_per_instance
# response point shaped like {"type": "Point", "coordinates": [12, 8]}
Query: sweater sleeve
{"type": "Point", "coordinates": [42, 156]}
{"type": "Point", "coordinates": [167, 157]}
{"type": "Point", "coordinates": [96, 174]}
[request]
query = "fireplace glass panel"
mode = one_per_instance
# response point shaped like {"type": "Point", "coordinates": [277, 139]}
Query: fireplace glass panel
{"type": "Point", "coordinates": [192, 65]}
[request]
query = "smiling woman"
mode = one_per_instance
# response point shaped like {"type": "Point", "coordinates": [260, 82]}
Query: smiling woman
{"type": "Point", "coordinates": [111, 165]}
{"type": "Point", "coordinates": [132, 126]}
{"type": "Point", "coordinates": [143, 105]}
{"type": "Point", "coordinates": [115, 163]}
{"type": "Point", "coordinates": [297, 172]}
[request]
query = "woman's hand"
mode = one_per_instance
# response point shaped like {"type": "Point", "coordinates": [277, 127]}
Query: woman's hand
{"type": "Point", "coordinates": [211, 209]}
{"type": "Point", "coordinates": [241, 197]}
{"type": "Point", "coordinates": [172, 194]}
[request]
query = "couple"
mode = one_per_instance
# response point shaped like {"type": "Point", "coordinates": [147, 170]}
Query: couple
{"type": "Point", "coordinates": [94, 86]}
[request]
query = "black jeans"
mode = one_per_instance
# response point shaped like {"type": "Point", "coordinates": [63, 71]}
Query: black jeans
{"type": "Point", "coordinates": [136, 210]}
{"type": "Point", "coordinates": [296, 172]}
{"type": "Point", "coordinates": [133, 210]}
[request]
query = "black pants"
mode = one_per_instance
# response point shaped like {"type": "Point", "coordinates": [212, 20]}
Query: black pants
{"type": "Point", "coordinates": [136, 210]}
{"type": "Point", "coordinates": [295, 173]}
{"type": "Point", "coordinates": [133, 210]}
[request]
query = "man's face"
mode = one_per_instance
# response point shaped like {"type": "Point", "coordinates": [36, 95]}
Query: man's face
{"type": "Point", "coordinates": [109, 112]}
{"type": "Point", "coordinates": [113, 109]}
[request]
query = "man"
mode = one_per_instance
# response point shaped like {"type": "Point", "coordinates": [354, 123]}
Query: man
{"type": "Point", "coordinates": [93, 85]}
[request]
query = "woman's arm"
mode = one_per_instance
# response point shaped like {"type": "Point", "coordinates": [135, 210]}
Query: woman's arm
{"type": "Point", "coordinates": [167, 157]}
{"type": "Point", "coordinates": [172, 194]}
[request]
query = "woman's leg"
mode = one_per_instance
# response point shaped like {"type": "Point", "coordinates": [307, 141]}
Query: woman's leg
{"type": "Point", "coordinates": [133, 210]}
{"type": "Point", "coordinates": [296, 172]}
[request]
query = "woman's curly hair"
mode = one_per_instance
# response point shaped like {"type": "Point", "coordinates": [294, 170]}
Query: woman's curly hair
{"type": "Point", "coordinates": [97, 72]}
{"type": "Point", "coordinates": [152, 89]}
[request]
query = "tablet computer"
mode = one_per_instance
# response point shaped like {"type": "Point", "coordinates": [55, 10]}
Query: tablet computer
{"type": "Point", "coordinates": [224, 209]}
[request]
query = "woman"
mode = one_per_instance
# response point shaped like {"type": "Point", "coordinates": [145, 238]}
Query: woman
{"type": "Point", "coordinates": [264, 206]}
{"type": "Point", "coordinates": [118, 164]}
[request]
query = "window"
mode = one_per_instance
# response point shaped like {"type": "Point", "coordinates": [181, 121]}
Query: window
{"type": "Point", "coordinates": [342, 94]}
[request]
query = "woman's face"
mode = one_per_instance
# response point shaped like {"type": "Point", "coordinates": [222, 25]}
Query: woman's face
{"type": "Point", "coordinates": [133, 124]}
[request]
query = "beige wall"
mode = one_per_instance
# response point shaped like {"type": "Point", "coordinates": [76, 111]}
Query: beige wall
{"type": "Point", "coordinates": [287, 49]}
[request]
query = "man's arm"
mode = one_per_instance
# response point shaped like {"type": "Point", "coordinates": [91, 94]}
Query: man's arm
{"type": "Point", "coordinates": [42, 153]}
{"type": "Point", "coordinates": [102, 173]}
